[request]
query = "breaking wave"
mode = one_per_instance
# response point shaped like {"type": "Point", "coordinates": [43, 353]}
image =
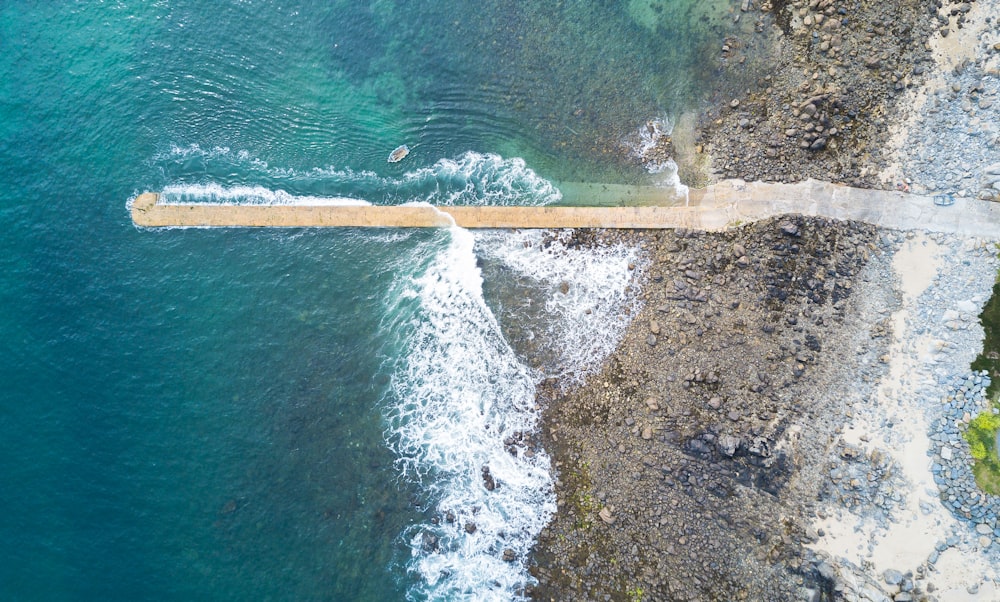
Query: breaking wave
{"type": "Point", "coordinates": [469, 179]}
{"type": "Point", "coordinates": [214, 194]}
{"type": "Point", "coordinates": [461, 420]}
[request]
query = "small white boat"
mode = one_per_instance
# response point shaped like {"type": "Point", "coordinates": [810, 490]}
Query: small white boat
{"type": "Point", "coordinates": [399, 154]}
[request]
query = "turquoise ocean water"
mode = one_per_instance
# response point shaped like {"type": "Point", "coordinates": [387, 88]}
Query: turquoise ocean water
{"type": "Point", "coordinates": [295, 415]}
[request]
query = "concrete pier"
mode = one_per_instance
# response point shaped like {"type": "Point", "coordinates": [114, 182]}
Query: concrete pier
{"type": "Point", "coordinates": [717, 207]}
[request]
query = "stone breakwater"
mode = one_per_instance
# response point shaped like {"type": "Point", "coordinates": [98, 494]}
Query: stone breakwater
{"type": "Point", "coordinates": [952, 465]}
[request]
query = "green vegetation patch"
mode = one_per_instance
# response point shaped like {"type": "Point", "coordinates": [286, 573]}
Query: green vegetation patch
{"type": "Point", "coordinates": [989, 359]}
{"type": "Point", "coordinates": [981, 436]}
{"type": "Point", "coordinates": [582, 501]}
{"type": "Point", "coordinates": [987, 476]}
{"type": "Point", "coordinates": [982, 432]}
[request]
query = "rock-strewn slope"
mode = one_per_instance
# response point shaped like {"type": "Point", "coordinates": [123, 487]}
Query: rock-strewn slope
{"type": "Point", "coordinates": [686, 467]}
{"type": "Point", "coordinates": [838, 78]}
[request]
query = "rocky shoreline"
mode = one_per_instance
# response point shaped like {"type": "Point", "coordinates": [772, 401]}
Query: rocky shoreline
{"type": "Point", "coordinates": [818, 89]}
{"type": "Point", "coordinates": [752, 410]}
{"type": "Point", "coordinates": [686, 466]}
{"type": "Point", "coordinates": [782, 418]}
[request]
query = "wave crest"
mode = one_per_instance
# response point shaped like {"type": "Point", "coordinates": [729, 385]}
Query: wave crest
{"type": "Point", "coordinates": [469, 179]}
{"type": "Point", "coordinates": [462, 406]}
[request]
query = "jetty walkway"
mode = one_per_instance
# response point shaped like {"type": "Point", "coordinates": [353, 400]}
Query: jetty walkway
{"type": "Point", "coordinates": [717, 207]}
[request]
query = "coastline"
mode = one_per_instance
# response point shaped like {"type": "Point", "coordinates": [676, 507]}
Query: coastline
{"type": "Point", "coordinates": [764, 429]}
{"type": "Point", "coordinates": [867, 96]}
{"type": "Point", "coordinates": [761, 431]}
{"type": "Point", "coordinates": [691, 434]}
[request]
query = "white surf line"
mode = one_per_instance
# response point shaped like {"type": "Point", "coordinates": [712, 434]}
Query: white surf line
{"type": "Point", "coordinates": [461, 401]}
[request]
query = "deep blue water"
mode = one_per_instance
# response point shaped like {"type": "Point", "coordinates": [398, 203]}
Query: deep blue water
{"type": "Point", "coordinates": [209, 414]}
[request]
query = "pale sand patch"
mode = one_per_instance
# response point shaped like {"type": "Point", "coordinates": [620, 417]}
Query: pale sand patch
{"type": "Point", "coordinates": [912, 534]}
{"type": "Point", "coordinates": [963, 44]}
{"type": "Point", "coordinates": [966, 44]}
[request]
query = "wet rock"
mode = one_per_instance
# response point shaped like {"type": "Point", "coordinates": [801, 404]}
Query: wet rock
{"type": "Point", "coordinates": [488, 481]}
{"type": "Point", "coordinates": [429, 542]}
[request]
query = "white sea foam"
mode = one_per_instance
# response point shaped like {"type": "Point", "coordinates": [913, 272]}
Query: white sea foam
{"type": "Point", "coordinates": [459, 392]}
{"type": "Point", "coordinates": [650, 134]}
{"type": "Point", "coordinates": [644, 142]}
{"type": "Point", "coordinates": [470, 179]}
{"type": "Point", "coordinates": [480, 179]}
{"type": "Point", "coordinates": [215, 194]}
{"type": "Point", "coordinates": [460, 397]}
{"type": "Point", "coordinates": [589, 299]}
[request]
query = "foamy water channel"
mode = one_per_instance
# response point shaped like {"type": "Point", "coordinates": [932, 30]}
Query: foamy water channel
{"type": "Point", "coordinates": [463, 401]}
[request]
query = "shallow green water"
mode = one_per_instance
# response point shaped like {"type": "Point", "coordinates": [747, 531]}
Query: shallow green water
{"type": "Point", "coordinates": [198, 414]}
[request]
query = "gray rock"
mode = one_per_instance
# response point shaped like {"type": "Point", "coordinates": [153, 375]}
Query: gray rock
{"type": "Point", "coordinates": [892, 577]}
{"type": "Point", "coordinates": [789, 228]}
{"type": "Point", "coordinates": [826, 571]}
{"type": "Point", "coordinates": [728, 444]}
{"type": "Point", "coordinates": [818, 144]}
